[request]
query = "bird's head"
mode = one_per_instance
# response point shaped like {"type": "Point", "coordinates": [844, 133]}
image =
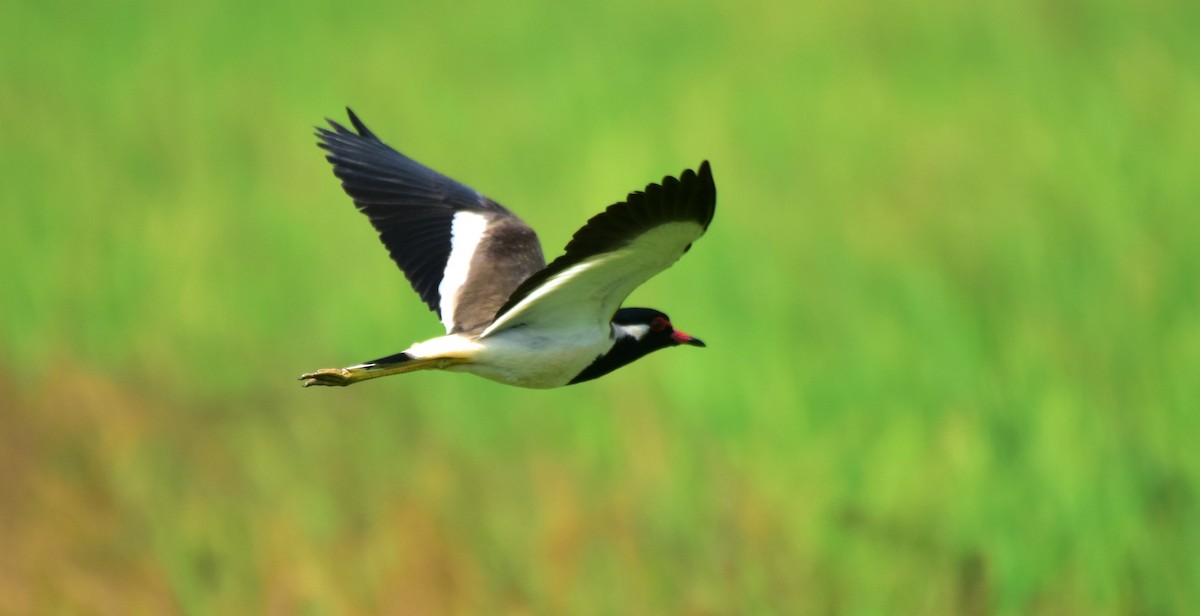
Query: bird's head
{"type": "Point", "coordinates": [640, 331]}
{"type": "Point", "coordinates": [652, 329]}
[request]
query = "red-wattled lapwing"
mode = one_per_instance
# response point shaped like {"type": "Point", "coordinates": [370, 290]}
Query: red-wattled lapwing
{"type": "Point", "coordinates": [510, 317]}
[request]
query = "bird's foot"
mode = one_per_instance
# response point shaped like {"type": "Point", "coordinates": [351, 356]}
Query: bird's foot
{"type": "Point", "coordinates": [329, 377]}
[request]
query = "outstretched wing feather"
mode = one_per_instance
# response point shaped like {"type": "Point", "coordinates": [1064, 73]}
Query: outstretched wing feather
{"type": "Point", "coordinates": [413, 209]}
{"type": "Point", "coordinates": [614, 253]}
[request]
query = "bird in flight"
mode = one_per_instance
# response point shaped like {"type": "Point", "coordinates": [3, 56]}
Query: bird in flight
{"type": "Point", "coordinates": [509, 317]}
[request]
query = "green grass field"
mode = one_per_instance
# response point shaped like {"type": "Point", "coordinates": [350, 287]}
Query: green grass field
{"type": "Point", "coordinates": [951, 297]}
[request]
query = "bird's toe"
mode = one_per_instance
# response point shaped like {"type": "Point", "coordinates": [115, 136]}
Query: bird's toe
{"type": "Point", "coordinates": [329, 377]}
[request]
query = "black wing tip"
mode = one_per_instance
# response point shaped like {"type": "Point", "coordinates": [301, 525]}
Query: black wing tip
{"type": "Point", "coordinates": [703, 174]}
{"type": "Point", "coordinates": [362, 129]}
{"type": "Point", "coordinates": [338, 130]}
{"type": "Point", "coordinates": [693, 187]}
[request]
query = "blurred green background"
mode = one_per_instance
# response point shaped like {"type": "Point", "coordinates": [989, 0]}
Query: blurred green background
{"type": "Point", "coordinates": [950, 296]}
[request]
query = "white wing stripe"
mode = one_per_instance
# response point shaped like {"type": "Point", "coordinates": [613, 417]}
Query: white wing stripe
{"type": "Point", "coordinates": [466, 232]}
{"type": "Point", "coordinates": [553, 283]}
{"type": "Point", "coordinates": [588, 293]}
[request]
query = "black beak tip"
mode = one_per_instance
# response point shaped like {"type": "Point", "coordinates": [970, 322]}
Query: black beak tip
{"type": "Point", "coordinates": [682, 338]}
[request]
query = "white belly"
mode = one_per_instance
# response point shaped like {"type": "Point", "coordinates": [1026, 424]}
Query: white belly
{"type": "Point", "coordinates": [516, 357]}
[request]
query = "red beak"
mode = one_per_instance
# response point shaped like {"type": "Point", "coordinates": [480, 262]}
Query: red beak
{"type": "Point", "coordinates": [681, 338]}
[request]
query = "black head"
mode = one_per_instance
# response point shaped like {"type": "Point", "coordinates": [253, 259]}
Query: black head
{"type": "Point", "coordinates": [652, 328]}
{"type": "Point", "coordinates": [640, 331]}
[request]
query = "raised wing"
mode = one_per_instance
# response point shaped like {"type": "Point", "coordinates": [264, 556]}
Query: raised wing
{"type": "Point", "coordinates": [613, 254]}
{"type": "Point", "coordinates": [463, 253]}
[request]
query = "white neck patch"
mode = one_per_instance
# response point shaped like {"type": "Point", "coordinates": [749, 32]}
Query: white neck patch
{"type": "Point", "coordinates": [637, 331]}
{"type": "Point", "coordinates": [466, 232]}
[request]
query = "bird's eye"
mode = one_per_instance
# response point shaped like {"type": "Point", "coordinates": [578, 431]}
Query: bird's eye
{"type": "Point", "coordinates": [659, 324]}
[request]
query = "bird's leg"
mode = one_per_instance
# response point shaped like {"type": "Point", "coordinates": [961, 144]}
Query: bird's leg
{"type": "Point", "coordinates": [341, 377]}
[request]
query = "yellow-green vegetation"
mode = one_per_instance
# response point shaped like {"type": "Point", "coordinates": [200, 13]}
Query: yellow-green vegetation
{"type": "Point", "coordinates": [951, 297]}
